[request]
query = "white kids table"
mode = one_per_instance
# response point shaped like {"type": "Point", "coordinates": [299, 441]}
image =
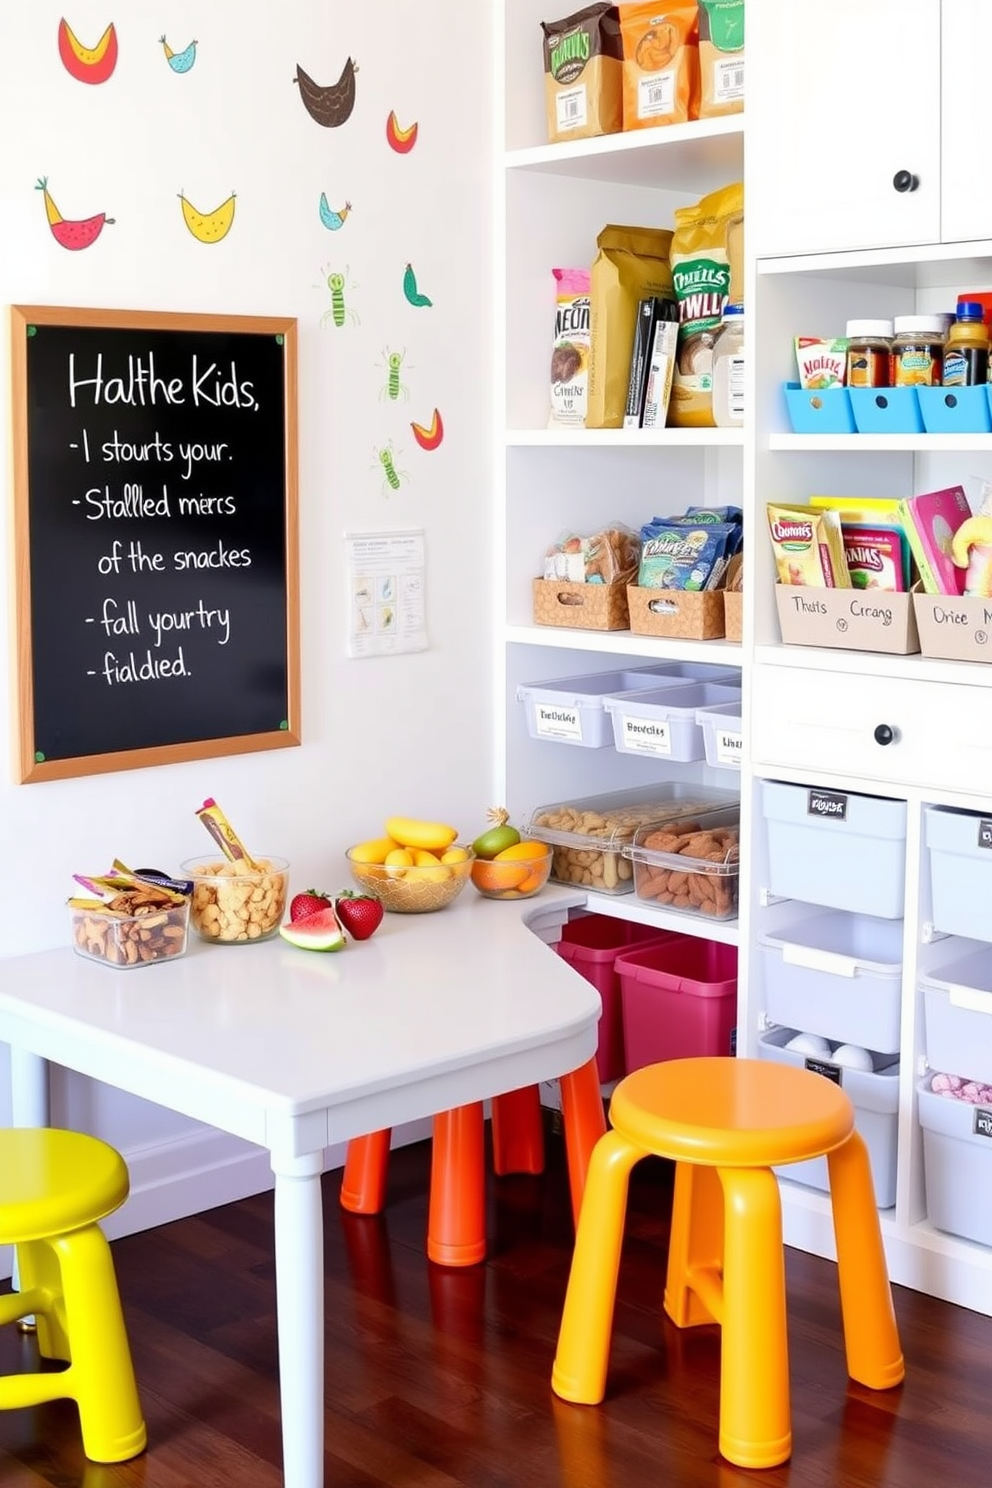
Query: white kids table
{"type": "Point", "coordinates": [295, 1051]}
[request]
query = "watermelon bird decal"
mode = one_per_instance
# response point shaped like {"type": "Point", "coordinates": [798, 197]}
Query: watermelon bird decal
{"type": "Point", "coordinates": [72, 233]}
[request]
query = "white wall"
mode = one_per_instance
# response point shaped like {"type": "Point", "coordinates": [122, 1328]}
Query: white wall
{"type": "Point", "coordinates": [402, 734]}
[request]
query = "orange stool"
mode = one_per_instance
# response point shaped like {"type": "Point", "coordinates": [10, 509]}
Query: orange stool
{"type": "Point", "coordinates": [726, 1123]}
{"type": "Point", "coordinates": [456, 1225]}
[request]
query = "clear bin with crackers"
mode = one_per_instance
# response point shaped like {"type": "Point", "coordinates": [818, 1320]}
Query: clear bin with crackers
{"type": "Point", "coordinates": [589, 836]}
{"type": "Point", "coordinates": [691, 864]}
{"type": "Point", "coordinates": [137, 928]}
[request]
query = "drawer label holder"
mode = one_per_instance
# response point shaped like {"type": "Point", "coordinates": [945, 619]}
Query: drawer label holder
{"type": "Point", "coordinates": [985, 833]}
{"type": "Point", "coordinates": [983, 1122]}
{"type": "Point", "coordinates": [828, 1071]}
{"type": "Point", "coordinates": [825, 803]}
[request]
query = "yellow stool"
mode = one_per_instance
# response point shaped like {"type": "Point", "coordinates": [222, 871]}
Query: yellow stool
{"type": "Point", "coordinates": [54, 1187]}
{"type": "Point", "coordinates": [726, 1123]}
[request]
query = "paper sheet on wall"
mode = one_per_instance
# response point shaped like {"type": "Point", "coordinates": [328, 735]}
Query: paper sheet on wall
{"type": "Point", "coordinates": [387, 605]}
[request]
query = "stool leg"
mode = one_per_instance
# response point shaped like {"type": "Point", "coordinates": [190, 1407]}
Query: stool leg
{"type": "Point", "coordinates": [518, 1132]}
{"type": "Point", "coordinates": [38, 1271]}
{"type": "Point", "coordinates": [871, 1337]}
{"type": "Point", "coordinates": [695, 1244]}
{"type": "Point", "coordinates": [456, 1225]}
{"type": "Point", "coordinates": [101, 1375]}
{"type": "Point", "coordinates": [581, 1361]}
{"type": "Point", "coordinates": [755, 1422]}
{"type": "Point", "coordinates": [366, 1168]}
{"type": "Point", "coordinates": [584, 1121]}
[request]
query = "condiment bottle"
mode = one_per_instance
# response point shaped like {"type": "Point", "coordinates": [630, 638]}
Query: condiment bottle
{"type": "Point", "coordinates": [728, 369]}
{"type": "Point", "coordinates": [966, 353]}
{"type": "Point", "coordinates": [918, 351]}
{"type": "Point", "coordinates": [869, 353]}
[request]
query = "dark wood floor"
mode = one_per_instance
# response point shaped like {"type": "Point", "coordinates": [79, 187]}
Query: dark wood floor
{"type": "Point", "coordinates": [440, 1378]}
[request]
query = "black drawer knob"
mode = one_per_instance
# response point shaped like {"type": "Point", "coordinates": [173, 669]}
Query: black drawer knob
{"type": "Point", "coordinates": [885, 734]}
{"type": "Point", "coordinates": [904, 180]}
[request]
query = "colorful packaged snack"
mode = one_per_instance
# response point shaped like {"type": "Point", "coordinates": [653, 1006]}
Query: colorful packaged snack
{"type": "Point", "coordinates": [809, 546]}
{"type": "Point", "coordinates": [224, 834]}
{"type": "Point", "coordinates": [583, 79]}
{"type": "Point", "coordinates": [570, 354]}
{"type": "Point", "coordinates": [660, 63]}
{"type": "Point", "coordinates": [821, 363]}
{"type": "Point", "coordinates": [874, 557]}
{"type": "Point", "coordinates": [681, 554]}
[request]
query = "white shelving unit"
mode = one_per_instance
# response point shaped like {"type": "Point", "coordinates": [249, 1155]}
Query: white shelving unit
{"type": "Point", "coordinates": [550, 202]}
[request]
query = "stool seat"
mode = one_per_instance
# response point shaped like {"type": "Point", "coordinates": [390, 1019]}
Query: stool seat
{"type": "Point", "coordinates": [55, 1187]}
{"type": "Point", "coordinates": [731, 1113]}
{"type": "Point", "coordinates": [727, 1123]}
{"type": "Point", "coordinates": [52, 1182]}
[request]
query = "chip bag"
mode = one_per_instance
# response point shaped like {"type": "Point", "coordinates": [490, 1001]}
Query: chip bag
{"type": "Point", "coordinates": [660, 63]}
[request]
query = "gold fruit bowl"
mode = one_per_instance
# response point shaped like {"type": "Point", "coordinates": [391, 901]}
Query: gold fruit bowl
{"type": "Point", "coordinates": [414, 890]}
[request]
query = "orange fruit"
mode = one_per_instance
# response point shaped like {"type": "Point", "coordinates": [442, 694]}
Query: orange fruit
{"type": "Point", "coordinates": [522, 852]}
{"type": "Point", "coordinates": [533, 881]}
{"type": "Point", "coordinates": [493, 877]}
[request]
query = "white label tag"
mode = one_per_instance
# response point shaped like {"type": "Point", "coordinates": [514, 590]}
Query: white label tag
{"type": "Point", "coordinates": [729, 747]}
{"type": "Point", "coordinates": [643, 736]}
{"type": "Point", "coordinates": [553, 722]}
{"type": "Point", "coordinates": [570, 108]}
{"type": "Point", "coordinates": [656, 95]}
{"type": "Point", "coordinates": [728, 80]}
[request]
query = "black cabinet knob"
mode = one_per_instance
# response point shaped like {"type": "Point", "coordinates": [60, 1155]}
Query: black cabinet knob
{"type": "Point", "coordinates": [884, 734]}
{"type": "Point", "coordinates": [904, 180]}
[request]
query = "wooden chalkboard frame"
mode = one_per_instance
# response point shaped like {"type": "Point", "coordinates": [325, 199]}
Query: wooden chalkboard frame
{"type": "Point", "coordinates": [31, 769]}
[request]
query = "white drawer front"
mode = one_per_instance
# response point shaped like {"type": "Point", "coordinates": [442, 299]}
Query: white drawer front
{"type": "Point", "coordinates": [941, 733]}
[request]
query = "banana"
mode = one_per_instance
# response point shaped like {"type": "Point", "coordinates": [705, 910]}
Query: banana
{"type": "Point", "coordinates": [411, 833]}
{"type": "Point", "coordinates": [329, 106]}
{"type": "Point", "coordinates": [975, 533]}
{"type": "Point", "coordinates": [209, 227]}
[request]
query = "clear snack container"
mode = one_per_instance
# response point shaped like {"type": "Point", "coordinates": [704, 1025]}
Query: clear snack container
{"type": "Point", "coordinates": [127, 941]}
{"type": "Point", "coordinates": [689, 863]}
{"type": "Point", "coordinates": [589, 835]}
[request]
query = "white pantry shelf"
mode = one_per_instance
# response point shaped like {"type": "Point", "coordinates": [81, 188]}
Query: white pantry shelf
{"type": "Point", "coordinates": [624, 643]}
{"type": "Point", "coordinates": [627, 438]}
{"type": "Point", "coordinates": [876, 443]}
{"type": "Point", "coordinates": [694, 157]}
{"type": "Point", "coordinates": [916, 668]}
{"type": "Point", "coordinates": [629, 907]}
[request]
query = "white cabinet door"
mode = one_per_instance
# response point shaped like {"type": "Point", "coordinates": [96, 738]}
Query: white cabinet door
{"type": "Point", "coordinates": [966, 40]}
{"type": "Point", "coordinates": [843, 110]}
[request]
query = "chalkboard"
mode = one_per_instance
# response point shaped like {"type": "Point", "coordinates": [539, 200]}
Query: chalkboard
{"type": "Point", "coordinates": [155, 511]}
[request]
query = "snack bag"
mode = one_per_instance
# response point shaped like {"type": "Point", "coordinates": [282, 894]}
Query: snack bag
{"type": "Point", "coordinates": [631, 265]}
{"type": "Point", "coordinates": [570, 356]}
{"type": "Point", "coordinates": [681, 554]}
{"type": "Point", "coordinates": [821, 362]}
{"type": "Point", "coordinates": [721, 57]}
{"type": "Point", "coordinates": [707, 255]}
{"type": "Point", "coordinates": [582, 74]}
{"type": "Point", "coordinates": [874, 557]}
{"type": "Point", "coordinates": [660, 63]}
{"type": "Point", "coordinates": [809, 546]}
{"type": "Point", "coordinates": [607, 557]}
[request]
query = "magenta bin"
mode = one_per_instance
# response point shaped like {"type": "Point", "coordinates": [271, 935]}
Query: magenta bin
{"type": "Point", "coordinates": [592, 944]}
{"type": "Point", "coordinates": [679, 1000]}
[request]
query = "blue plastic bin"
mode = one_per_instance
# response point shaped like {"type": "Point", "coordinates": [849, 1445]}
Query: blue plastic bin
{"type": "Point", "coordinates": [955, 410]}
{"type": "Point", "coordinates": [819, 411]}
{"type": "Point", "coordinates": [886, 410]}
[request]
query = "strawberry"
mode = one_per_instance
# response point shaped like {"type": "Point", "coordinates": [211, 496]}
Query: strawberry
{"type": "Point", "coordinates": [360, 914]}
{"type": "Point", "coordinates": [311, 901]}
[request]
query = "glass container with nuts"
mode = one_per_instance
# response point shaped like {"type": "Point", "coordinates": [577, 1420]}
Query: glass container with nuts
{"type": "Point", "coordinates": [137, 927]}
{"type": "Point", "coordinates": [235, 905]}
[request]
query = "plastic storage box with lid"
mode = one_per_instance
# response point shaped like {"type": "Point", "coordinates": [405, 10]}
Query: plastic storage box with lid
{"type": "Point", "coordinates": [957, 1013]}
{"type": "Point", "coordinates": [835, 848]}
{"type": "Point", "coordinates": [661, 722]}
{"type": "Point", "coordinates": [569, 710]}
{"type": "Point", "coordinates": [591, 944]}
{"type": "Point", "coordinates": [957, 1163]}
{"type": "Point", "coordinates": [723, 737]}
{"type": "Point", "coordinates": [959, 847]}
{"type": "Point", "coordinates": [838, 975]}
{"type": "Point", "coordinates": [690, 864]}
{"type": "Point", "coordinates": [588, 835]}
{"type": "Point", "coordinates": [679, 1000]}
{"type": "Point", "coordinates": [875, 1096]}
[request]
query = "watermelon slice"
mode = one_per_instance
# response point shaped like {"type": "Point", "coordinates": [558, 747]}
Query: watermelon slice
{"type": "Point", "coordinates": [315, 932]}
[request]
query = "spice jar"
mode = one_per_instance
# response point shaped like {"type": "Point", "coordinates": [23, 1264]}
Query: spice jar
{"type": "Point", "coordinates": [728, 369]}
{"type": "Point", "coordinates": [869, 353]}
{"type": "Point", "coordinates": [918, 351]}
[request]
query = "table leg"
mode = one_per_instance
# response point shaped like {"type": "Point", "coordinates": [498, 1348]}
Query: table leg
{"type": "Point", "coordinates": [299, 1241]}
{"type": "Point", "coordinates": [584, 1121]}
{"type": "Point", "coordinates": [30, 1106]}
